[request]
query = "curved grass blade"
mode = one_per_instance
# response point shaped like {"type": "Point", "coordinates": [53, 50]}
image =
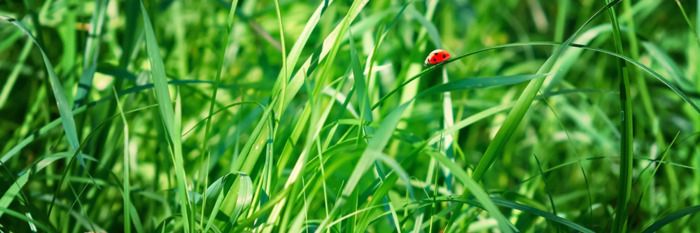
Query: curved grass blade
{"type": "Point", "coordinates": [513, 119]}
{"type": "Point", "coordinates": [515, 116]}
{"type": "Point", "coordinates": [216, 192]}
{"type": "Point", "coordinates": [525, 208]}
{"type": "Point", "coordinates": [374, 147]}
{"type": "Point", "coordinates": [653, 73]}
{"type": "Point", "coordinates": [569, 57]}
{"type": "Point", "coordinates": [64, 108]}
{"type": "Point", "coordinates": [284, 53]}
{"type": "Point", "coordinates": [238, 198]}
{"type": "Point", "coordinates": [670, 218]}
{"type": "Point", "coordinates": [470, 83]}
{"type": "Point", "coordinates": [541, 213]}
{"type": "Point", "coordinates": [540, 43]}
{"type": "Point", "coordinates": [231, 194]}
{"type": "Point", "coordinates": [667, 63]}
{"type": "Point", "coordinates": [27, 219]}
{"type": "Point", "coordinates": [158, 75]}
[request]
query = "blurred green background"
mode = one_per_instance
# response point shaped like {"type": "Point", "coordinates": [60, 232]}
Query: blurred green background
{"type": "Point", "coordinates": [303, 116]}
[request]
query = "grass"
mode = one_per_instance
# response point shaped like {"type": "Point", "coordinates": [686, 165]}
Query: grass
{"type": "Point", "coordinates": [290, 116]}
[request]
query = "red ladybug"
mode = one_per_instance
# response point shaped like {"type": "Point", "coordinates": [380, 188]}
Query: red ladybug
{"type": "Point", "coordinates": [436, 56]}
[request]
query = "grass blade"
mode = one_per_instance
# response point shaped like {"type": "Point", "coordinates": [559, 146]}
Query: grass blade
{"type": "Point", "coordinates": [26, 219]}
{"type": "Point", "coordinates": [374, 148]}
{"type": "Point", "coordinates": [92, 51]}
{"type": "Point", "coordinates": [64, 108]}
{"type": "Point", "coordinates": [671, 217]}
{"type": "Point", "coordinates": [528, 209]}
{"type": "Point", "coordinates": [470, 83]}
{"type": "Point", "coordinates": [244, 195]}
{"type": "Point", "coordinates": [12, 78]}
{"type": "Point", "coordinates": [668, 64]}
{"type": "Point", "coordinates": [476, 190]}
{"type": "Point", "coordinates": [127, 165]}
{"type": "Point", "coordinates": [168, 115]}
{"type": "Point", "coordinates": [360, 87]}
{"type": "Point", "coordinates": [205, 153]}
{"type": "Point", "coordinates": [626, 142]}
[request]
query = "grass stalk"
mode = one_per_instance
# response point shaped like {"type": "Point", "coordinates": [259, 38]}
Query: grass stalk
{"type": "Point", "coordinates": [127, 169]}
{"type": "Point", "coordinates": [626, 142]}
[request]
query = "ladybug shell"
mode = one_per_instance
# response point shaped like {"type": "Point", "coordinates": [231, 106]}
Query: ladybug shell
{"type": "Point", "coordinates": [436, 56]}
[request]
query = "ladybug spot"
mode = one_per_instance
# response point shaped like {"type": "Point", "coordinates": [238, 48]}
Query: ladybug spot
{"type": "Point", "coordinates": [434, 59]}
{"type": "Point", "coordinates": [436, 53]}
{"type": "Point", "coordinates": [443, 56]}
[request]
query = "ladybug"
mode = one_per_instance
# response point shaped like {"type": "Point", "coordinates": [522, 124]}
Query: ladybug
{"type": "Point", "coordinates": [436, 56]}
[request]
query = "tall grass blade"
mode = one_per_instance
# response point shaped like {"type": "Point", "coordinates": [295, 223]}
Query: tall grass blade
{"type": "Point", "coordinates": [360, 87]}
{"type": "Point", "coordinates": [64, 108]}
{"type": "Point", "coordinates": [168, 115]}
{"type": "Point", "coordinates": [127, 167]}
{"type": "Point", "coordinates": [626, 142]}
{"type": "Point", "coordinates": [205, 153]}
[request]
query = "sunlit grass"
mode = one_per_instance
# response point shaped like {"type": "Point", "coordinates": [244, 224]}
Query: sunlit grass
{"type": "Point", "coordinates": [295, 116]}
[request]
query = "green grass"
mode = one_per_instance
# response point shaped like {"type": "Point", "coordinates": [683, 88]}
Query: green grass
{"type": "Point", "coordinates": [318, 116]}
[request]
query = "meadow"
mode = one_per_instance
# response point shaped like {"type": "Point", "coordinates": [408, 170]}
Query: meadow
{"type": "Point", "coordinates": [320, 116]}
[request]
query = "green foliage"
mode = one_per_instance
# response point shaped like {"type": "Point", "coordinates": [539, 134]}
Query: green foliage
{"type": "Point", "coordinates": [318, 116]}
